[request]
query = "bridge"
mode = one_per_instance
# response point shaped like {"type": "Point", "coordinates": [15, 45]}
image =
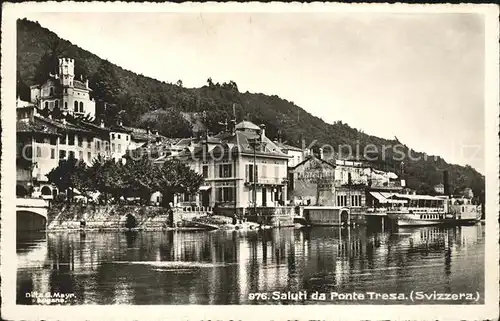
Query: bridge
{"type": "Point", "coordinates": [31, 214]}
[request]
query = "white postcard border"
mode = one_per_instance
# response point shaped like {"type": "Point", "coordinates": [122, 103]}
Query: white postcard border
{"type": "Point", "coordinates": [176, 312]}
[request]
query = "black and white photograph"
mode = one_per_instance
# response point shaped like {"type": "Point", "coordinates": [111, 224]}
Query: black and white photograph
{"type": "Point", "coordinates": [196, 156]}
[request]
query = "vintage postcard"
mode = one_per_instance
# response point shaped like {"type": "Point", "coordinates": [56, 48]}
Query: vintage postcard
{"type": "Point", "coordinates": [249, 161]}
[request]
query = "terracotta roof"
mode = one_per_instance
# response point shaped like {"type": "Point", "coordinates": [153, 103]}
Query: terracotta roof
{"type": "Point", "coordinates": [313, 157]}
{"type": "Point", "coordinates": [64, 126]}
{"type": "Point", "coordinates": [35, 126]}
{"type": "Point", "coordinates": [80, 85]}
{"type": "Point", "coordinates": [242, 141]}
{"type": "Point", "coordinates": [95, 127]}
{"type": "Point", "coordinates": [24, 104]}
{"type": "Point", "coordinates": [246, 125]}
{"type": "Point", "coordinates": [120, 128]}
{"type": "Point", "coordinates": [142, 135]}
{"type": "Point", "coordinates": [288, 147]}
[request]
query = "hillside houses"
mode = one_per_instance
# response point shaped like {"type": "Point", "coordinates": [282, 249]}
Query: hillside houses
{"type": "Point", "coordinates": [44, 140]}
{"type": "Point", "coordinates": [243, 169]}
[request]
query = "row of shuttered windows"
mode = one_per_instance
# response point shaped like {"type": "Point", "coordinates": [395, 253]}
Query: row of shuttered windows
{"type": "Point", "coordinates": [356, 200]}
{"type": "Point", "coordinates": [226, 171]}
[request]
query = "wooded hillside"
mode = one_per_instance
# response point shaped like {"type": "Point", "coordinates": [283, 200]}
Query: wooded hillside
{"type": "Point", "coordinates": [143, 101]}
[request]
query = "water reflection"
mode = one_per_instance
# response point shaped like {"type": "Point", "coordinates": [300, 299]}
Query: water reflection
{"type": "Point", "coordinates": [225, 267]}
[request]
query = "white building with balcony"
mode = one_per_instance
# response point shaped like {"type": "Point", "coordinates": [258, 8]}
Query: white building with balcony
{"type": "Point", "coordinates": [243, 169]}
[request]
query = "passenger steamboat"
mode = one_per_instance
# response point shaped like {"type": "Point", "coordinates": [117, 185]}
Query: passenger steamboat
{"type": "Point", "coordinates": [412, 210]}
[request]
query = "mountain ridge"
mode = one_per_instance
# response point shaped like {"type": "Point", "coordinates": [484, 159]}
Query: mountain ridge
{"type": "Point", "coordinates": [146, 102]}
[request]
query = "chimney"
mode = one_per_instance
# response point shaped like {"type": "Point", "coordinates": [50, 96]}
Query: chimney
{"type": "Point", "coordinates": [262, 132]}
{"type": "Point", "coordinates": [87, 83]}
{"type": "Point", "coordinates": [446, 183]}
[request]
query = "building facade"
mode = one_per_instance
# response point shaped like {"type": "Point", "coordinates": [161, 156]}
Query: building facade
{"type": "Point", "coordinates": [63, 92]}
{"type": "Point", "coordinates": [45, 140]}
{"type": "Point", "coordinates": [439, 188]}
{"type": "Point", "coordinates": [242, 170]}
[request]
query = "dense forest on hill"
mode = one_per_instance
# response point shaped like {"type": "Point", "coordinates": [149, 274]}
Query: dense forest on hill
{"type": "Point", "coordinates": [142, 101]}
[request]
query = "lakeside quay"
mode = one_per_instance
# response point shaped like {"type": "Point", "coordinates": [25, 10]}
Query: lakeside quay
{"type": "Point", "coordinates": [89, 217]}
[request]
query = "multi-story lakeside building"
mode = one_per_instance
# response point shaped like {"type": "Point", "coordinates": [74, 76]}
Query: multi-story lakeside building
{"type": "Point", "coordinates": [334, 182]}
{"type": "Point", "coordinates": [43, 141]}
{"type": "Point", "coordinates": [243, 170]}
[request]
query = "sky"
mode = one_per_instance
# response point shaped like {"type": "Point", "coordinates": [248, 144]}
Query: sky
{"type": "Point", "coordinates": [419, 76]}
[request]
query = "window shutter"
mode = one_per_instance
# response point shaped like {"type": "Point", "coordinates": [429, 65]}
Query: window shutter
{"type": "Point", "coordinates": [256, 173]}
{"type": "Point", "coordinates": [246, 173]}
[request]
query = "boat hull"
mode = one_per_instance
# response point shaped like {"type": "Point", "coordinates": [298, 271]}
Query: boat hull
{"type": "Point", "coordinates": [407, 219]}
{"type": "Point", "coordinates": [412, 220]}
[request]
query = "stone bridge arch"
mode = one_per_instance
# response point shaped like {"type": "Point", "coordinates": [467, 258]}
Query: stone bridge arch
{"type": "Point", "coordinates": [30, 220]}
{"type": "Point", "coordinates": [31, 214]}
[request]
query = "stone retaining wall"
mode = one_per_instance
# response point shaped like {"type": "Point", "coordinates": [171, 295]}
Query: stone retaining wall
{"type": "Point", "coordinates": [65, 217]}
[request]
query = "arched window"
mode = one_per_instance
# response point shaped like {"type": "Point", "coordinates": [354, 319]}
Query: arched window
{"type": "Point", "coordinates": [51, 91]}
{"type": "Point", "coordinates": [46, 104]}
{"type": "Point", "coordinates": [65, 105]}
{"type": "Point", "coordinates": [56, 104]}
{"type": "Point", "coordinates": [46, 190]}
{"type": "Point", "coordinates": [81, 107]}
{"type": "Point", "coordinates": [76, 106]}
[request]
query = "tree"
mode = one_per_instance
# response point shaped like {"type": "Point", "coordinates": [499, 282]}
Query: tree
{"type": "Point", "coordinates": [168, 122]}
{"type": "Point", "coordinates": [22, 90]}
{"type": "Point", "coordinates": [101, 175]}
{"type": "Point", "coordinates": [210, 83]}
{"type": "Point", "coordinates": [68, 175]}
{"type": "Point", "coordinates": [139, 95]}
{"type": "Point", "coordinates": [49, 63]}
{"type": "Point", "coordinates": [173, 177]}
{"type": "Point", "coordinates": [138, 178]}
{"type": "Point", "coordinates": [106, 83]}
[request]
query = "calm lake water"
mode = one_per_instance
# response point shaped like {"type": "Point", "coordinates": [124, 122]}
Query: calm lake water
{"type": "Point", "coordinates": [253, 267]}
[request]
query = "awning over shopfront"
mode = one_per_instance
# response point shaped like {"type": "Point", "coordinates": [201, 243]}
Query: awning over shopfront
{"type": "Point", "coordinates": [384, 198]}
{"type": "Point", "coordinates": [418, 197]}
{"type": "Point", "coordinates": [204, 188]}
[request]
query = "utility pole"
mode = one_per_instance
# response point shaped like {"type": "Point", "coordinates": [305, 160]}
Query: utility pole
{"type": "Point", "coordinates": [255, 142]}
{"type": "Point", "coordinates": [254, 179]}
